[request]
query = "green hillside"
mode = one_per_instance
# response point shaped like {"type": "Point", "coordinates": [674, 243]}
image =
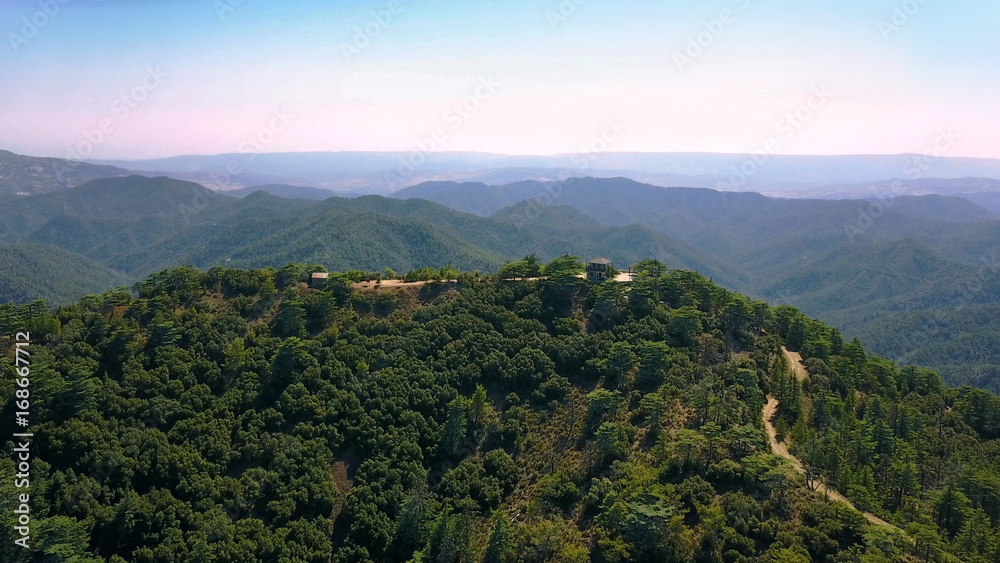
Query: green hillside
{"type": "Point", "coordinates": [963, 344]}
{"type": "Point", "coordinates": [862, 275]}
{"type": "Point", "coordinates": [284, 190]}
{"type": "Point", "coordinates": [873, 269]}
{"type": "Point", "coordinates": [37, 271]}
{"type": "Point", "coordinates": [29, 175]}
{"type": "Point", "coordinates": [139, 225]}
{"type": "Point", "coordinates": [922, 256]}
{"type": "Point", "coordinates": [238, 415]}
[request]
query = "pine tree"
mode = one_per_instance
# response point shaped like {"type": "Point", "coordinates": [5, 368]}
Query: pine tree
{"type": "Point", "coordinates": [836, 342]}
{"type": "Point", "coordinates": [454, 427]}
{"type": "Point", "coordinates": [451, 540]}
{"type": "Point", "coordinates": [411, 530]}
{"type": "Point", "coordinates": [796, 334]}
{"type": "Point", "coordinates": [290, 320]}
{"type": "Point", "coordinates": [439, 538]}
{"type": "Point", "coordinates": [477, 409]}
{"type": "Point", "coordinates": [951, 510]}
{"type": "Point", "coordinates": [499, 547]}
{"type": "Point", "coordinates": [975, 537]}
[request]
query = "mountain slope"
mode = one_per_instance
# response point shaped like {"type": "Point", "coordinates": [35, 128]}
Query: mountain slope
{"type": "Point", "coordinates": [853, 275]}
{"type": "Point", "coordinates": [332, 236]}
{"type": "Point", "coordinates": [284, 190]}
{"type": "Point", "coordinates": [758, 234]}
{"type": "Point", "coordinates": [986, 200]}
{"type": "Point", "coordinates": [623, 245]}
{"type": "Point", "coordinates": [37, 271]}
{"type": "Point", "coordinates": [471, 197]}
{"type": "Point", "coordinates": [127, 198]}
{"type": "Point", "coordinates": [860, 265]}
{"type": "Point", "coordinates": [28, 175]}
{"type": "Point", "coordinates": [908, 302]}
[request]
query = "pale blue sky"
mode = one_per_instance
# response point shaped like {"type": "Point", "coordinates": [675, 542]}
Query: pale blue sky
{"type": "Point", "coordinates": [217, 81]}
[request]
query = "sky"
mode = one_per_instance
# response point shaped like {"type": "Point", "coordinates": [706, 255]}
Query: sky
{"type": "Point", "coordinates": [112, 79]}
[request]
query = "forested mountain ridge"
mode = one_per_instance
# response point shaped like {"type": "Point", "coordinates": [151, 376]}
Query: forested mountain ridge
{"type": "Point", "coordinates": [138, 225]}
{"type": "Point", "coordinates": [235, 415]}
{"type": "Point", "coordinates": [882, 270]}
{"type": "Point", "coordinates": [37, 271]}
{"type": "Point", "coordinates": [27, 175]}
{"type": "Point", "coordinates": [284, 190]}
{"type": "Point", "coordinates": [885, 269]}
{"type": "Point", "coordinates": [624, 201]}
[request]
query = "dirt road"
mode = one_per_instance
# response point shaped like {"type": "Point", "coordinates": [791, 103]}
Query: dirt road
{"type": "Point", "coordinates": [780, 449]}
{"type": "Point", "coordinates": [795, 362]}
{"type": "Point", "coordinates": [395, 283]}
{"type": "Point", "coordinates": [622, 277]}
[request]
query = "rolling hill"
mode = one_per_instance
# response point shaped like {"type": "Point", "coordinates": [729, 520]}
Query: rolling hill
{"type": "Point", "coordinates": [28, 175]}
{"type": "Point", "coordinates": [284, 190]}
{"type": "Point", "coordinates": [37, 271]}
{"type": "Point", "coordinates": [139, 225]}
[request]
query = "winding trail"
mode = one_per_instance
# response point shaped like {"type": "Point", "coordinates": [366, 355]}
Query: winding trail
{"type": "Point", "coordinates": [780, 449]}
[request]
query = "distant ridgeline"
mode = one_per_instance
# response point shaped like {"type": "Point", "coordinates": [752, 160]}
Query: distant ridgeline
{"type": "Point", "coordinates": [245, 415]}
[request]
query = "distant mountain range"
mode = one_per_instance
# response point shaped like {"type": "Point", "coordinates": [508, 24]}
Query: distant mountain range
{"type": "Point", "coordinates": [386, 172]}
{"type": "Point", "coordinates": [982, 191]}
{"type": "Point", "coordinates": [921, 266]}
{"type": "Point", "coordinates": [360, 173]}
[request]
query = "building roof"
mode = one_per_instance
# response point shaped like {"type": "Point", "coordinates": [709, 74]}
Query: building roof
{"type": "Point", "coordinates": [604, 261]}
{"type": "Point", "coordinates": [320, 275]}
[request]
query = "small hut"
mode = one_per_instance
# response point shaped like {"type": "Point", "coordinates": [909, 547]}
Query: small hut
{"type": "Point", "coordinates": [597, 269]}
{"type": "Point", "coordinates": [318, 279]}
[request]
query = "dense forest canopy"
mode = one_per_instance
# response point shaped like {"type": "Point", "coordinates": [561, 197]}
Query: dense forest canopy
{"type": "Point", "coordinates": [239, 415]}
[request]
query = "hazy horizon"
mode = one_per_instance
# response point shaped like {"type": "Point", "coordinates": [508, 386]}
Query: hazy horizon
{"type": "Point", "coordinates": [513, 155]}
